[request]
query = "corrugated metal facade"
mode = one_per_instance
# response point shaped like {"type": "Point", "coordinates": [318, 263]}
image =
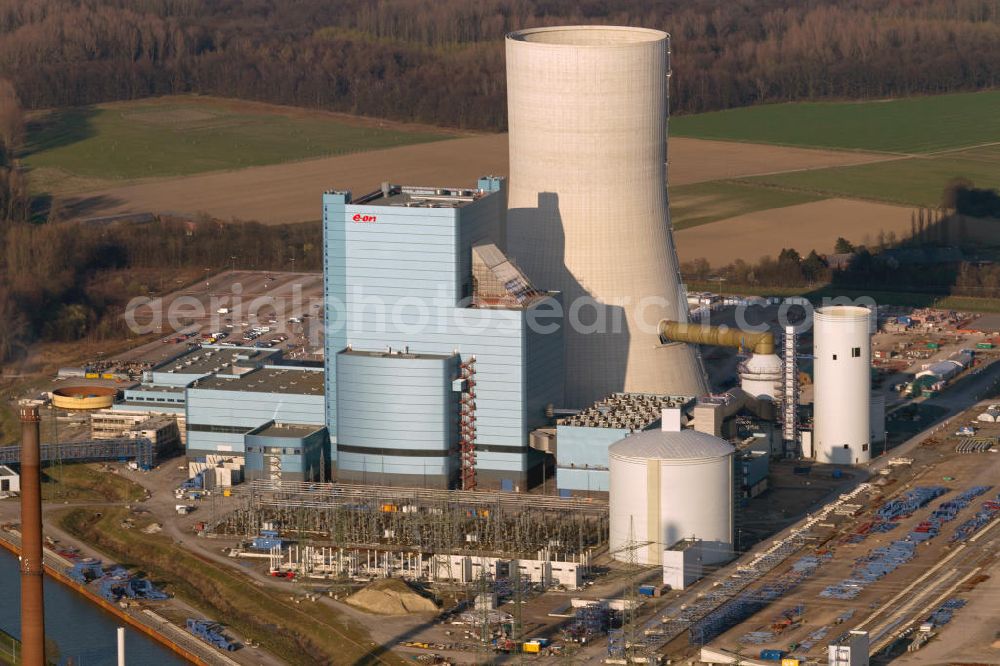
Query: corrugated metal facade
{"type": "Point", "coordinates": [302, 458]}
{"type": "Point", "coordinates": [399, 280]}
{"type": "Point", "coordinates": [582, 457]}
{"type": "Point", "coordinates": [397, 403]}
{"type": "Point", "coordinates": [218, 419]}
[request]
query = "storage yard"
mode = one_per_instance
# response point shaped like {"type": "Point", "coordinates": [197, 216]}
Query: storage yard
{"type": "Point", "coordinates": [233, 303]}
{"type": "Point", "coordinates": [886, 563]}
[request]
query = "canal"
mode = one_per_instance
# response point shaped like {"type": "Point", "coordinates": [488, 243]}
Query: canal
{"type": "Point", "coordinates": [84, 633]}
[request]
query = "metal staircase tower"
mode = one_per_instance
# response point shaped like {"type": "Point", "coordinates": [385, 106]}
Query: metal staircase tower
{"type": "Point", "coordinates": [467, 425]}
{"type": "Point", "coordinates": [790, 395]}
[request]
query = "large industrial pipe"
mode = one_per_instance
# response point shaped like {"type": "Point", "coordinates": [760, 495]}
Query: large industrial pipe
{"type": "Point", "coordinates": [675, 331]}
{"type": "Point", "coordinates": [32, 603]}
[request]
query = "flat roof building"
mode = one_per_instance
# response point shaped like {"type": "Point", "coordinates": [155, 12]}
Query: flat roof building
{"type": "Point", "coordinates": [221, 410]}
{"type": "Point", "coordinates": [286, 452]}
{"type": "Point", "coordinates": [10, 481]}
{"type": "Point", "coordinates": [208, 360]}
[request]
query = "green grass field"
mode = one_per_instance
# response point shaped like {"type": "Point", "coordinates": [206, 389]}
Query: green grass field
{"type": "Point", "coordinates": [187, 135]}
{"type": "Point", "coordinates": [917, 181]}
{"type": "Point", "coordinates": [908, 125]}
{"type": "Point", "coordinates": [702, 203]}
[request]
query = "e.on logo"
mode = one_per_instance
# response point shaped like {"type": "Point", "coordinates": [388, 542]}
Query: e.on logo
{"type": "Point", "coordinates": [358, 217]}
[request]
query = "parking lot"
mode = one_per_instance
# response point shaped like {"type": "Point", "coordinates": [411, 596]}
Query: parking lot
{"type": "Point", "coordinates": [234, 308]}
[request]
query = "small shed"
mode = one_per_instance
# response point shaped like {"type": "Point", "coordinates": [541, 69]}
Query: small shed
{"type": "Point", "coordinates": [10, 481]}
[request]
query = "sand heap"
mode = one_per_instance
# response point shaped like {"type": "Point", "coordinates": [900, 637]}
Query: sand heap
{"type": "Point", "coordinates": [391, 596]}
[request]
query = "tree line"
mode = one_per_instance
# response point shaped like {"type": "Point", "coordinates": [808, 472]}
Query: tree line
{"type": "Point", "coordinates": [442, 61]}
{"type": "Point", "coordinates": [71, 280]}
{"type": "Point", "coordinates": [869, 268]}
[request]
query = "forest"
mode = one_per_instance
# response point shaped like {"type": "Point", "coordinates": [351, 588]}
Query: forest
{"type": "Point", "coordinates": [442, 62]}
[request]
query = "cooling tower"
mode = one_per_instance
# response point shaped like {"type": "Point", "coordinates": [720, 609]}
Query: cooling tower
{"type": "Point", "coordinates": [587, 114]}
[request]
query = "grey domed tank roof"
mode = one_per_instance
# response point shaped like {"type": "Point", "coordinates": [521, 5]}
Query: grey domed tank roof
{"type": "Point", "coordinates": [671, 445]}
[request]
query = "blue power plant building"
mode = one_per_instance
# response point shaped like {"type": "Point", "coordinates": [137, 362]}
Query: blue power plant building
{"type": "Point", "coordinates": [441, 357]}
{"type": "Point", "coordinates": [222, 409]}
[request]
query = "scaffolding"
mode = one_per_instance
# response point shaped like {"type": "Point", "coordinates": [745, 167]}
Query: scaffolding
{"type": "Point", "coordinates": [497, 282]}
{"type": "Point", "coordinates": [274, 464]}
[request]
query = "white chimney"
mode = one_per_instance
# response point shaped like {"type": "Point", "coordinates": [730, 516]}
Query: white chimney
{"type": "Point", "coordinates": [670, 419]}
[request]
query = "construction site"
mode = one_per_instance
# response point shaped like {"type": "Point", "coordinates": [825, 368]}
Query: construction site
{"type": "Point", "coordinates": [485, 478]}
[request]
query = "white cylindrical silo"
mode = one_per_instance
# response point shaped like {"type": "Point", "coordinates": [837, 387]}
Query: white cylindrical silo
{"type": "Point", "coordinates": [842, 384]}
{"type": "Point", "coordinates": [587, 115]}
{"type": "Point", "coordinates": [668, 486]}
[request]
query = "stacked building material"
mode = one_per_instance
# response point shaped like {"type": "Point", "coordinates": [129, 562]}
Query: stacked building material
{"type": "Point", "coordinates": [114, 589]}
{"type": "Point", "coordinates": [813, 638]}
{"type": "Point", "coordinates": [211, 633]}
{"type": "Point", "coordinates": [912, 500]}
{"type": "Point", "coordinates": [85, 571]}
{"type": "Point", "coordinates": [944, 513]}
{"type": "Point", "coordinates": [983, 517]}
{"type": "Point", "coordinates": [757, 637]}
{"type": "Point", "coordinates": [944, 612]}
{"type": "Point", "coordinates": [751, 600]}
{"type": "Point", "coordinates": [975, 444]}
{"type": "Point", "coordinates": [894, 510]}
{"type": "Point", "coordinates": [877, 564]}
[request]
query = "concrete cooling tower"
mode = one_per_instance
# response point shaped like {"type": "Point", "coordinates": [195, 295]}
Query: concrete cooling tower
{"type": "Point", "coordinates": [587, 114]}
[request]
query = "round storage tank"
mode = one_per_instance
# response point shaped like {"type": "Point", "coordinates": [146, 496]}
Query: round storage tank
{"type": "Point", "coordinates": [668, 486]}
{"type": "Point", "coordinates": [842, 385]}
{"type": "Point", "coordinates": [84, 397]}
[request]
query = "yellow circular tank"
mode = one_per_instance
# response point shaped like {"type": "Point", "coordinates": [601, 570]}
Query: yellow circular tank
{"type": "Point", "coordinates": [83, 397]}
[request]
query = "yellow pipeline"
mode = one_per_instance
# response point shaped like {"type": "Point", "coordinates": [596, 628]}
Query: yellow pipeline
{"type": "Point", "coordinates": [696, 334]}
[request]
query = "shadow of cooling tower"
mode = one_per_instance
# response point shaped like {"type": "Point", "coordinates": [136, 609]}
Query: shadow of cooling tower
{"type": "Point", "coordinates": [604, 325]}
